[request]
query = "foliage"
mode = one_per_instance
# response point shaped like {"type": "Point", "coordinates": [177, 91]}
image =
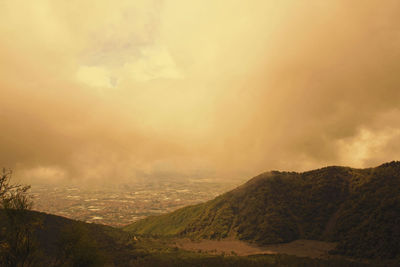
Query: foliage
{"type": "Point", "coordinates": [179, 257]}
{"type": "Point", "coordinates": [166, 225]}
{"type": "Point", "coordinates": [18, 242]}
{"type": "Point", "coordinates": [76, 248]}
{"type": "Point", "coordinates": [358, 208]}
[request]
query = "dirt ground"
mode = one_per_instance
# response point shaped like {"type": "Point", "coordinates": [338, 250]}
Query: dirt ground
{"type": "Point", "coordinates": [301, 248]}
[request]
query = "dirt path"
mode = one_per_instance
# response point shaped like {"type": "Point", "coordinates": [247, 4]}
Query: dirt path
{"type": "Point", "coordinates": [301, 248]}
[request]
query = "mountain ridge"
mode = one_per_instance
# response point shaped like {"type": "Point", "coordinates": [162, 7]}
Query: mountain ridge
{"type": "Point", "coordinates": [358, 208]}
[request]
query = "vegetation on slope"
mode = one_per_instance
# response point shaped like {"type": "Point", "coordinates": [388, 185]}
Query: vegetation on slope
{"type": "Point", "coordinates": [65, 242]}
{"type": "Point", "coordinates": [29, 238]}
{"type": "Point", "coordinates": [358, 208]}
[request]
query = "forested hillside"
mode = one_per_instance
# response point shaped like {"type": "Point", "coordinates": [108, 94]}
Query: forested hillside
{"type": "Point", "coordinates": [358, 208]}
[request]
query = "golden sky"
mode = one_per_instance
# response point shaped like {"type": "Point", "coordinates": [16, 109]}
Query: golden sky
{"type": "Point", "coordinates": [126, 89]}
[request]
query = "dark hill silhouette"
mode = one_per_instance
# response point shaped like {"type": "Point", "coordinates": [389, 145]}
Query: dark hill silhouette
{"type": "Point", "coordinates": [358, 208]}
{"type": "Point", "coordinates": [64, 242]}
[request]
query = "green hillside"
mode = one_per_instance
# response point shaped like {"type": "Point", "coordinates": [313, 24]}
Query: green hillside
{"type": "Point", "coordinates": [358, 208]}
{"type": "Point", "coordinates": [61, 242]}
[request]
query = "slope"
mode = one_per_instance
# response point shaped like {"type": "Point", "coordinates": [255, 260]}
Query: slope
{"type": "Point", "coordinates": [358, 208]}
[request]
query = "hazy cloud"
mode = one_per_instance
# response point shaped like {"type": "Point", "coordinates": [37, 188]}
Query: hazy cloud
{"type": "Point", "coordinates": [104, 90]}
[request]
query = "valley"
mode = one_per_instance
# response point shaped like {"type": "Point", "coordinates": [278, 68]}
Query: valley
{"type": "Point", "coordinates": [119, 205]}
{"type": "Point", "coordinates": [333, 216]}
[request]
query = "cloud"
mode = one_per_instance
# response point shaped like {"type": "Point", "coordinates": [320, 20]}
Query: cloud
{"type": "Point", "coordinates": [95, 76]}
{"type": "Point", "coordinates": [155, 63]}
{"type": "Point", "coordinates": [97, 89]}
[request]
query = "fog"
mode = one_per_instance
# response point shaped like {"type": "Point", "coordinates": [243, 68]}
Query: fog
{"type": "Point", "coordinates": [126, 90]}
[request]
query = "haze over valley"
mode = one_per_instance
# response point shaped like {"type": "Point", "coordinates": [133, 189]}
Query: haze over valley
{"type": "Point", "coordinates": [199, 133]}
{"type": "Point", "coordinates": [122, 204]}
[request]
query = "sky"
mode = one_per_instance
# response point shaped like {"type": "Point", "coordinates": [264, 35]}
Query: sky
{"type": "Point", "coordinates": [225, 89]}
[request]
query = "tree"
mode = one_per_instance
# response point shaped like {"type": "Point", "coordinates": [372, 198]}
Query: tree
{"type": "Point", "coordinates": [77, 249]}
{"type": "Point", "coordinates": [17, 238]}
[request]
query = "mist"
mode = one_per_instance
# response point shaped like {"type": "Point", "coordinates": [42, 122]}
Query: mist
{"type": "Point", "coordinates": [121, 91]}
